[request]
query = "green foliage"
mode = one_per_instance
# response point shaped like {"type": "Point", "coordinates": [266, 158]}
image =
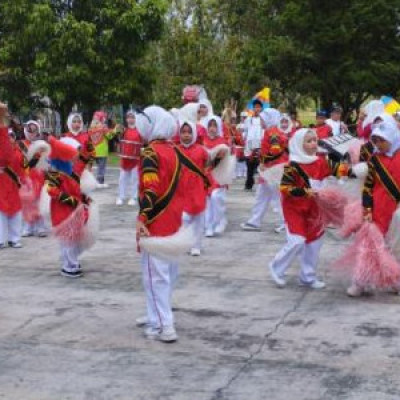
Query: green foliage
{"type": "Point", "coordinates": [88, 52]}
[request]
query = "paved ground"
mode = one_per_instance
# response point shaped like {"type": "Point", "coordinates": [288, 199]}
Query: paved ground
{"type": "Point", "coordinates": [240, 337]}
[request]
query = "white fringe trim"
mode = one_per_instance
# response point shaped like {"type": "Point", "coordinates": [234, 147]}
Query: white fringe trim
{"type": "Point", "coordinates": [45, 150]}
{"type": "Point", "coordinates": [273, 175]}
{"type": "Point", "coordinates": [169, 247]}
{"type": "Point", "coordinates": [88, 182]}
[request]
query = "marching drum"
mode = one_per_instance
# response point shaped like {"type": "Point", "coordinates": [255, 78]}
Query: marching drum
{"type": "Point", "coordinates": [130, 150]}
{"type": "Point", "coordinates": [337, 146]}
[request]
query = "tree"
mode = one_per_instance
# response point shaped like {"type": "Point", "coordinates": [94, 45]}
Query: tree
{"type": "Point", "coordinates": [82, 51]}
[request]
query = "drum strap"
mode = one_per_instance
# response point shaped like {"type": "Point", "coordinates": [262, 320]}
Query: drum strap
{"type": "Point", "coordinates": [188, 163]}
{"type": "Point", "coordinates": [14, 177]}
{"type": "Point", "coordinates": [162, 203]}
{"type": "Point", "coordinates": [302, 174]}
{"type": "Point", "coordinates": [386, 179]}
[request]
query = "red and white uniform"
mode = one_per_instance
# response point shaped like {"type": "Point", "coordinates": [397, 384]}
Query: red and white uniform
{"type": "Point", "coordinates": [216, 208]}
{"type": "Point", "coordinates": [301, 212]}
{"type": "Point", "coordinates": [128, 177]}
{"type": "Point", "coordinates": [324, 131]}
{"type": "Point", "coordinates": [11, 176]}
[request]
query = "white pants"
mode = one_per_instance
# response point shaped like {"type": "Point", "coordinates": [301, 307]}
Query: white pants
{"type": "Point", "coordinates": [159, 278]}
{"type": "Point", "coordinates": [308, 252]}
{"type": "Point", "coordinates": [197, 221]}
{"type": "Point", "coordinates": [128, 179]}
{"type": "Point", "coordinates": [265, 196]}
{"type": "Point", "coordinates": [216, 209]}
{"type": "Point", "coordinates": [35, 228]}
{"type": "Point", "coordinates": [69, 257]}
{"type": "Point", "coordinates": [241, 169]}
{"type": "Point", "coordinates": [10, 227]}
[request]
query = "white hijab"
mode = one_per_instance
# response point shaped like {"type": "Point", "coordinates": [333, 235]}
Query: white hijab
{"type": "Point", "coordinates": [373, 109]}
{"type": "Point", "coordinates": [194, 132]}
{"type": "Point", "coordinates": [271, 117]}
{"type": "Point", "coordinates": [207, 103]}
{"type": "Point", "coordinates": [296, 147]}
{"type": "Point", "coordinates": [215, 118]}
{"type": "Point", "coordinates": [189, 112]}
{"type": "Point", "coordinates": [69, 123]}
{"type": "Point", "coordinates": [389, 131]}
{"type": "Point", "coordinates": [155, 123]}
{"type": "Point", "coordinates": [31, 136]}
{"type": "Point", "coordinates": [285, 117]}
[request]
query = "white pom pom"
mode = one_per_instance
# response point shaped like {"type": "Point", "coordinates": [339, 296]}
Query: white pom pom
{"type": "Point", "coordinates": [273, 175]}
{"type": "Point", "coordinates": [224, 172]}
{"type": "Point", "coordinates": [360, 170]}
{"type": "Point", "coordinates": [169, 247]}
{"type": "Point", "coordinates": [88, 182]}
{"type": "Point", "coordinates": [42, 147]}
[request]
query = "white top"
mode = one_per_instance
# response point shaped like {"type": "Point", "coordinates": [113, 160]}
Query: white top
{"type": "Point", "coordinates": [338, 127]}
{"type": "Point", "coordinates": [253, 134]}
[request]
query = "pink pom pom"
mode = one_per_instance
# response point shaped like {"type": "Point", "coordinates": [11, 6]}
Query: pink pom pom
{"type": "Point", "coordinates": [353, 218]}
{"type": "Point", "coordinates": [331, 204]}
{"type": "Point", "coordinates": [368, 262]}
{"type": "Point", "coordinates": [29, 201]}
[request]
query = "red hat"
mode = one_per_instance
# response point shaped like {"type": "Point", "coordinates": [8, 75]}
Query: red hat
{"type": "Point", "coordinates": [61, 151]}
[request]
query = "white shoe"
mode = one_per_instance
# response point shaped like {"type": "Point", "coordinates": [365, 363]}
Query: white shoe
{"type": "Point", "coordinates": [152, 333]}
{"type": "Point", "coordinates": [280, 228]}
{"type": "Point", "coordinates": [249, 227]}
{"type": "Point", "coordinates": [168, 335]}
{"type": "Point", "coordinates": [354, 291]}
{"type": "Point", "coordinates": [27, 234]}
{"type": "Point", "coordinates": [314, 285]}
{"type": "Point", "coordinates": [277, 279]}
{"type": "Point", "coordinates": [209, 232]}
{"type": "Point", "coordinates": [220, 228]}
{"type": "Point", "coordinates": [195, 252]}
{"type": "Point", "coordinates": [142, 321]}
{"type": "Point", "coordinates": [132, 202]}
{"type": "Point", "coordinates": [119, 202]}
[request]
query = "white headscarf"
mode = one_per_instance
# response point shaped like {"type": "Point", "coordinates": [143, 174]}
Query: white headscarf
{"type": "Point", "coordinates": [131, 112]}
{"type": "Point", "coordinates": [286, 117]}
{"type": "Point", "coordinates": [155, 123]}
{"type": "Point", "coordinates": [389, 131]}
{"type": "Point", "coordinates": [194, 132]}
{"type": "Point", "coordinates": [215, 118]}
{"type": "Point", "coordinates": [189, 112]}
{"type": "Point", "coordinates": [271, 117]}
{"type": "Point", "coordinates": [296, 147]}
{"type": "Point", "coordinates": [373, 109]}
{"type": "Point", "coordinates": [207, 103]}
{"type": "Point", "coordinates": [30, 136]}
{"type": "Point", "coordinates": [69, 123]}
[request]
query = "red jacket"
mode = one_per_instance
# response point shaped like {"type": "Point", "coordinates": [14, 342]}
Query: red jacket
{"type": "Point", "coordinates": [133, 136]}
{"type": "Point", "coordinates": [274, 147]}
{"type": "Point", "coordinates": [324, 131]}
{"type": "Point", "coordinates": [375, 196]}
{"type": "Point", "coordinates": [159, 173]}
{"type": "Point", "coordinates": [65, 193]}
{"type": "Point", "coordinates": [195, 189]}
{"type": "Point", "coordinates": [300, 210]}
{"type": "Point", "coordinates": [11, 175]}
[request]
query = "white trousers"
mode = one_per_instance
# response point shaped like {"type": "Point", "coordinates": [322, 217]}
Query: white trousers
{"type": "Point", "coordinates": [296, 246]}
{"type": "Point", "coordinates": [69, 257]}
{"type": "Point", "coordinates": [198, 222]}
{"type": "Point", "coordinates": [159, 279]}
{"type": "Point", "coordinates": [216, 209]}
{"type": "Point", "coordinates": [128, 184]}
{"type": "Point", "coordinates": [10, 227]}
{"type": "Point", "coordinates": [35, 228]}
{"type": "Point", "coordinates": [241, 169]}
{"type": "Point", "coordinates": [265, 196]}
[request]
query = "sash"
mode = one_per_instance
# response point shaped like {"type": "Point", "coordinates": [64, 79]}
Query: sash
{"type": "Point", "coordinates": [188, 163]}
{"type": "Point", "coordinates": [386, 178]}
{"type": "Point", "coordinates": [14, 177]}
{"type": "Point", "coordinates": [162, 203]}
{"type": "Point", "coordinates": [302, 174]}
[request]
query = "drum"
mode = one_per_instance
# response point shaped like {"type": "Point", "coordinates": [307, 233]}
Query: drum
{"type": "Point", "coordinates": [337, 146]}
{"type": "Point", "coordinates": [130, 150]}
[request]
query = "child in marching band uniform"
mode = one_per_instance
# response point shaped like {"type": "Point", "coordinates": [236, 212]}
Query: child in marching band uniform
{"type": "Point", "coordinates": [11, 176]}
{"type": "Point", "coordinates": [274, 151]}
{"type": "Point", "coordinates": [195, 187]}
{"type": "Point", "coordinates": [216, 209]}
{"type": "Point", "coordinates": [301, 211]}
{"type": "Point", "coordinates": [129, 167]}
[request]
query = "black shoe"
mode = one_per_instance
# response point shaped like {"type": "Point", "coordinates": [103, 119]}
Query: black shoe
{"type": "Point", "coordinates": [75, 274]}
{"type": "Point", "coordinates": [15, 245]}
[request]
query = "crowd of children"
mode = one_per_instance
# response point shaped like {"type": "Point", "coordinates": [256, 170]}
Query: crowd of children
{"type": "Point", "coordinates": [177, 166]}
